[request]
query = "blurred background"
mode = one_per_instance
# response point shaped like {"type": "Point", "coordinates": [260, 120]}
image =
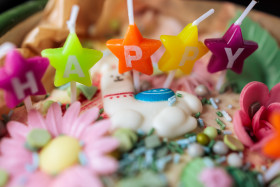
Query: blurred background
{"type": "Point", "coordinates": [268, 6]}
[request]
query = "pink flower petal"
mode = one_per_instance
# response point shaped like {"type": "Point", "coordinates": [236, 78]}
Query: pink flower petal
{"type": "Point", "coordinates": [54, 119]}
{"type": "Point", "coordinates": [77, 176]}
{"type": "Point", "coordinates": [35, 120]}
{"type": "Point", "coordinates": [103, 165]}
{"type": "Point", "coordinates": [253, 92]}
{"type": "Point", "coordinates": [83, 121]}
{"type": "Point", "coordinates": [256, 120]}
{"type": "Point", "coordinates": [38, 179]}
{"type": "Point", "coordinates": [274, 95]}
{"type": "Point", "coordinates": [11, 145]}
{"type": "Point", "coordinates": [70, 117]}
{"type": "Point", "coordinates": [101, 146]}
{"type": "Point", "coordinates": [241, 120]}
{"type": "Point", "coordinates": [17, 130]}
{"type": "Point", "coordinates": [96, 131]}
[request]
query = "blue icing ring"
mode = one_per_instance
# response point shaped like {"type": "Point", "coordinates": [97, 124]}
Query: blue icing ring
{"type": "Point", "coordinates": [155, 95]}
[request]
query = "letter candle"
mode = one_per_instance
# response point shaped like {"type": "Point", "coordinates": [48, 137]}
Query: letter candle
{"type": "Point", "coordinates": [183, 50]}
{"type": "Point", "coordinates": [230, 51]}
{"type": "Point", "coordinates": [72, 62]}
{"type": "Point", "coordinates": [20, 78]}
{"type": "Point", "coordinates": [134, 52]}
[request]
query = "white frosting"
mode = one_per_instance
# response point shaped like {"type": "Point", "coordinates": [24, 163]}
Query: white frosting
{"type": "Point", "coordinates": [125, 111]}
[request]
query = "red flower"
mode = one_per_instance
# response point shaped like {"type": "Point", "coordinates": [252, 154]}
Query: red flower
{"type": "Point", "coordinates": [251, 123]}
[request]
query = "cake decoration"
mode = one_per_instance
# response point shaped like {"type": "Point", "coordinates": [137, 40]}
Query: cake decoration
{"type": "Point", "coordinates": [159, 136]}
{"type": "Point", "coordinates": [22, 78]}
{"type": "Point", "coordinates": [64, 146]}
{"type": "Point", "coordinates": [256, 129]}
{"type": "Point", "coordinates": [134, 52]}
{"type": "Point", "coordinates": [230, 51]}
{"type": "Point", "coordinates": [265, 59]}
{"type": "Point", "coordinates": [271, 148]}
{"type": "Point", "coordinates": [127, 111]}
{"type": "Point", "coordinates": [72, 62]}
{"type": "Point", "coordinates": [183, 50]}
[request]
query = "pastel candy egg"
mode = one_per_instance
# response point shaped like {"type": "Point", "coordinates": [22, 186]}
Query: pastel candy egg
{"type": "Point", "coordinates": [234, 160]}
{"type": "Point", "coordinates": [220, 148]}
{"type": "Point", "coordinates": [3, 177]}
{"type": "Point", "coordinates": [61, 153]}
{"type": "Point", "coordinates": [211, 132]}
{"type": "Point", "coordinates": [195, 150]}
{"type": "Point", "coordinates": [233, 143]}
{"type": "Point", "coordinates": [38, 138]}
{"type": "Point", "coordinates": [126, 137]}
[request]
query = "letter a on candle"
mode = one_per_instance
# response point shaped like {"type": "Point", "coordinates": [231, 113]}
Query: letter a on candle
{"type": "Point", "coordinates": [134, 52]}
{"type": "Point", "coordinates": [73, 67]}
{"type": "Point", "coordinates": [72, 62]}
{"type": "Point", "coordinates": [230, 51]}
{"type": "Point", "coordinates": [21, 77]}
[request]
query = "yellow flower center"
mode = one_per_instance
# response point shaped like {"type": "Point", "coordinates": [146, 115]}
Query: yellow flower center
{"type": "Point", "coordinates": [59, 154]}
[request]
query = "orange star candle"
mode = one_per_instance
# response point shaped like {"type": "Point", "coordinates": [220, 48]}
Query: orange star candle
{"type": "Point", "coordinates": [134, 52]}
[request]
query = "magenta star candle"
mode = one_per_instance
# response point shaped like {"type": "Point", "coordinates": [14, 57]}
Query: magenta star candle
{"type": "Point", "coordinates": [230, 51]}
{"type": "Point", "coordinates": [21, 78]}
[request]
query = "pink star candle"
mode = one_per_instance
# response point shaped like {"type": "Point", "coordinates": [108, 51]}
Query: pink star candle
{"type": "Point", "coordinates": [21, 78]}
{"type": "Point", "coordinates": [230, 51]}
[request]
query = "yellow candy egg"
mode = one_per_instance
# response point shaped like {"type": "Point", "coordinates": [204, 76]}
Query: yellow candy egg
{"type": "Point", "coordinates": [59, 154]}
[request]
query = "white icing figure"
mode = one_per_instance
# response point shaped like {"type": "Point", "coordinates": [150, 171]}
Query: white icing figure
{"type": "Point", "coordinates": [149, 109]}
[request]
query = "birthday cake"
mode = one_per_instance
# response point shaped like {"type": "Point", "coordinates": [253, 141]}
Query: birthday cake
{"type": "Point", "coordinates": [121, 114]}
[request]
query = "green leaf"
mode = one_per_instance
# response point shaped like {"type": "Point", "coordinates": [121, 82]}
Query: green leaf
{"type": "Point", "coordinates": [263, 65]}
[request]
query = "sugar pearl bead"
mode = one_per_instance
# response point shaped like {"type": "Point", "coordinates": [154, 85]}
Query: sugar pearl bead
{"type": "Point", "coordinates": [211, 132]}
{"type": "Point", "coordinates": [220, 148]}
{"type": "Point", "coordinates": [201, 90]}
{"type": "Point", "coordinates": [234, 160]}
{"type": "Point", "coordinates": [195, 150]}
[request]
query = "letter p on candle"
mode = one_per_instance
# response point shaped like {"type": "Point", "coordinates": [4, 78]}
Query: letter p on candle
{"type": "Point", "coordinates": [19, 87]}
{"type": "Point", "coordinates": [128, 51]}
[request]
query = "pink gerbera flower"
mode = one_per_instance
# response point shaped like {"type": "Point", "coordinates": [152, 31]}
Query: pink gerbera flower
{"type": "Point", "coordinates": [74, 155]}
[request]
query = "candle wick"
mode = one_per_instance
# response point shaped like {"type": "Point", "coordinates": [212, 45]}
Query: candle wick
{"type": "Point", "coordinates": [203, 17]}
{"type": "Point", "coordinates": [130, 12]}
{"type": "Point", "coordinates": [246, 12]}
{"type": "Point", "coordinates": [71, 23]}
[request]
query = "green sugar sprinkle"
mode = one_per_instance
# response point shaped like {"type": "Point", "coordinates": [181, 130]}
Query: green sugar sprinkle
{"type": "Point", "coordinates": [197, 115]}
{"type": "Point", "coordinates": [101, 111]}
{"type": "Point", "coordinates": [151, 132]}
{"type": "Point", "coordinates": [222, 125]}
{"type": "Point", "coordinates": [189, 135]}
{"type": "Point", "coordinates": [179, 95]}
{"type": "Point", "coordinates": [203, 101]}
{"type": "Point", "coordinates": [219, 114]}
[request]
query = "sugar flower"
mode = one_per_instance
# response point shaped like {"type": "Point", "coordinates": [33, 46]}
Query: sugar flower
{"type": "Point", "coordinates": [251, 122]}
{"type": "Point", "coordinates": [215, 177]}
{"type": "Point", "coordinates": [59, 150]}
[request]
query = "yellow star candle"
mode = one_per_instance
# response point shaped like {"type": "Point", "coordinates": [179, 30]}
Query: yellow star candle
{"type": "Point", "coordinates": [72, 62]}
{"type": "Point", "coordinates": [183, 50]}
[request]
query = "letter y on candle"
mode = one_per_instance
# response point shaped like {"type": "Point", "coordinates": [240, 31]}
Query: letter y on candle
{"type": "Point", "coordinates": [230, 51]}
